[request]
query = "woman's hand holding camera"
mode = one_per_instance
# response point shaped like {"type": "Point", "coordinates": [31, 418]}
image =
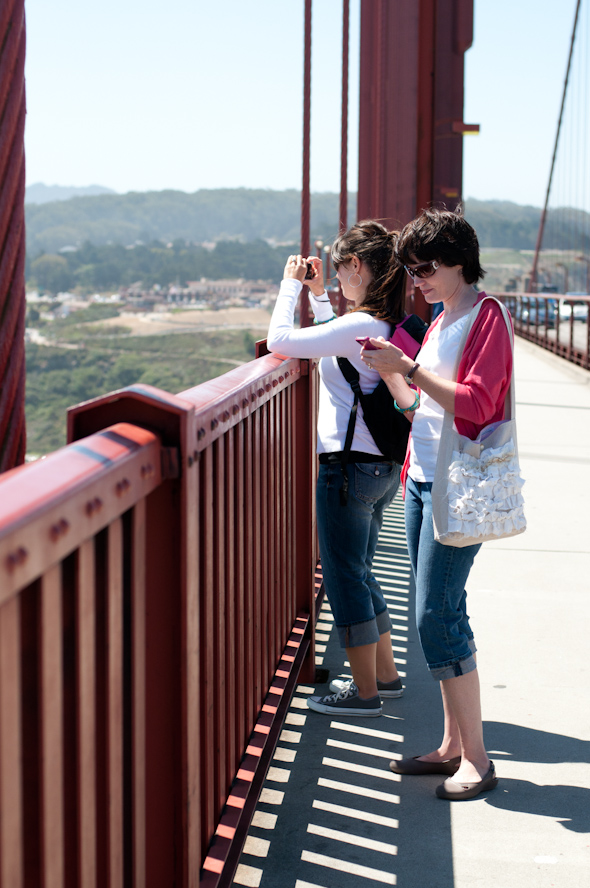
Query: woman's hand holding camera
{"type": "Point", "coordinates": [310, 271]}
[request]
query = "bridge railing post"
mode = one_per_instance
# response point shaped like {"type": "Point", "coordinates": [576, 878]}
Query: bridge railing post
{"type": "Point", "coordinates": [164, 620]}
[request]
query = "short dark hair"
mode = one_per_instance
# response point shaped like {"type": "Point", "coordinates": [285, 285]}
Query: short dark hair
{"type": "Point", "coordinates": [444, 236]}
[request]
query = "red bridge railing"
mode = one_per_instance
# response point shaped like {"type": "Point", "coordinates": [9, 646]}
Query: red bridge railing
{"type": "Point", "coordinates": [156, 607]}
{"type": "Point", "coordinates": [556, 322]}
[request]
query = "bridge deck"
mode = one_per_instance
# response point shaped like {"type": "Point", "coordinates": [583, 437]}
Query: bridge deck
{"type": "Point", "coordinates": [331, 813]}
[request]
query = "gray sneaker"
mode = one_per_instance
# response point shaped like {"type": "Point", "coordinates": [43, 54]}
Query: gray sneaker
{"type": "Point", "coordinates": [345, 702]}
{"type": "Point", "coordinates": [386, 688]}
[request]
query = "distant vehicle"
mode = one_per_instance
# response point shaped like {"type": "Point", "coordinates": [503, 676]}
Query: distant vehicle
{"type": "Point", "coordinates": [535, 311]}
{"type": "Point", "coordinates": [580, 308]}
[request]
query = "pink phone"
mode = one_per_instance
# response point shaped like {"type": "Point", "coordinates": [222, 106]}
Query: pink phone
{"type": "Point", "coordinates": [365, 341]}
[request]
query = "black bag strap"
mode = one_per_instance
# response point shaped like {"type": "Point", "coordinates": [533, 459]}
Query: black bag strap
{"type": "Point", "coordinates": [352, 377]}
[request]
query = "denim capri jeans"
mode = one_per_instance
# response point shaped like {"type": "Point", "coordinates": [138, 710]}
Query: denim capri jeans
{"type": "Point", "coordinates": [440, 573]}
{"type": "Point", "coordinates": [348, 538]}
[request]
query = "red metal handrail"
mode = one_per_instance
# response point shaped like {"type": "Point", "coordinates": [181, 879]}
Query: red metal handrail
{"type": "Point", "coordinates": [156, 607]}
{"type": "Point", "coordinates": [537, 317]}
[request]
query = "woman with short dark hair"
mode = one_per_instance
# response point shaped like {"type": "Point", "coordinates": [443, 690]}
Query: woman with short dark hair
{"type": "Point", "coordinates": [440, 252]}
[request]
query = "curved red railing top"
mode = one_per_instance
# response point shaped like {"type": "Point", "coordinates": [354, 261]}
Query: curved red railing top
{"type": "Point", "coordinates": [12, 234]}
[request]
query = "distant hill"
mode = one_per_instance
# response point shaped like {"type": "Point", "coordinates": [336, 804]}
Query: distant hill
{"type": "Point", "coordinates": [501, 223]}
{"type": "Point", "coordinates": [206, 215]}
{"type": "Point", "coordinates": [227, 214]}
{"type": "Point", "coordinates": [39, 193]}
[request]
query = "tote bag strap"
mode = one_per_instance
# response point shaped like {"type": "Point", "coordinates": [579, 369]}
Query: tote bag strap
{"type": "Point", "coordinates": [509, 404]}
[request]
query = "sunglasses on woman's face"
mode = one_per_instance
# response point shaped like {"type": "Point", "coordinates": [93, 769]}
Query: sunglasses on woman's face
{"type": "Point", "coordinates": [423, 270]}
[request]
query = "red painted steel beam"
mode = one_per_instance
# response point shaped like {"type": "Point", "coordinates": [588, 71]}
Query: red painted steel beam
{"type": "Point", "coordinates": [411, 108]}
{"type": "Point", "coordinates": [304, 312]}
{"type": "Point", "coordinates": [343, 221]}
{"type": "Point", "coordinates": [11, 748]}
{"type": "Point", "coordinates": [411, 105]}
{"type": "Point", "coordinates": [12, 234]}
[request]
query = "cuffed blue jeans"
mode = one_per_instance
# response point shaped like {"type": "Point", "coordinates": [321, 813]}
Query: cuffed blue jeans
{"type": "Point", "coordinates": [348, 538]}
{"type": "Point", "coordinates": [440, 573]}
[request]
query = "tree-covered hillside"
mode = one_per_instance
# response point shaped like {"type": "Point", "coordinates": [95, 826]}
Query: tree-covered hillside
{"type": "Point", "coordinates": [111, 266]}
{"type": "Point", "coordinates": [207, 215]}
{"type": "Point", "coordinates": [227, 214]}
{"type": "Point", "coordinates": [500, 223]}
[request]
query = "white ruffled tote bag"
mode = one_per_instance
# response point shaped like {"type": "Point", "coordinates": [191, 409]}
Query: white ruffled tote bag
{"type": "Point", "coordinates": [476, 493]}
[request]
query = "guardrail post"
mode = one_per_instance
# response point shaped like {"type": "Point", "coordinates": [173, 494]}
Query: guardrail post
{"type": "Point", "coordinates": [166, 775]}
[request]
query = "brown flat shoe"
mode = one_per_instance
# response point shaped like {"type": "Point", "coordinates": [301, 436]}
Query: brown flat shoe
{"type": "Point", "coordinates": [413, 766]}
{"type": "Point", "coordinates": [460, 792]}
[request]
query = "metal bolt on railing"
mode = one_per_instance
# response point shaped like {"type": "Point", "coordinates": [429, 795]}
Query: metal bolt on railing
{"type": "Point", "coordinates": [59, 529]}
{"type": "Point", "coordinates": [93, 505]}
{"type": "Point", "coordinates": [15, 559]}
{"type": "Point", "coordinates": [122, 486]}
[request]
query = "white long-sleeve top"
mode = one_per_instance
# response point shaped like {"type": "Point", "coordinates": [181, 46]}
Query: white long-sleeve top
{"type": "Point", "coordinates": [328, 341]}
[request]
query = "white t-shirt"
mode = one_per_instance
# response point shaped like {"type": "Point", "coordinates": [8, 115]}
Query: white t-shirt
{"type": "Point", "coordinates": [438, 355]}
{"type": "Point", "coordinates": [326, 341]}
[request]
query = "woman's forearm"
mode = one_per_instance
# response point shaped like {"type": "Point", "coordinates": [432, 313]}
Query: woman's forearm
{"type": "Point", "coordinates": [401, 392]}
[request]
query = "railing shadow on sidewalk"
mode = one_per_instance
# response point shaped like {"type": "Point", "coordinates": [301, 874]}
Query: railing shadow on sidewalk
{"type": "Point", "coordinates": [331, 810]}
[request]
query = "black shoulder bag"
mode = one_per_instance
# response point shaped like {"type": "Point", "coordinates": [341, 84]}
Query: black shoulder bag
{"type": "Point", "coordinates": [389, 428]}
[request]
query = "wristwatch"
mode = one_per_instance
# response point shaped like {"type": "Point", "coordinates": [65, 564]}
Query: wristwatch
{"type": "Point", "coordinates": [410, 373]}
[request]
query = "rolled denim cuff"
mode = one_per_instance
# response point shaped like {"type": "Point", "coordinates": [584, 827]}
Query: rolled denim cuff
{"type": "Point", "coordinates": [453, 670]}
{"type": "Point", "coordinates": [358, 634]}
{"type": "Point", "coordinates": [383, 622]}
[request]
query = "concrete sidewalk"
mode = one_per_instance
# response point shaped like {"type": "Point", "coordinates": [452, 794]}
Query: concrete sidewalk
{"type": "Point", "coordinates": [332, 814]}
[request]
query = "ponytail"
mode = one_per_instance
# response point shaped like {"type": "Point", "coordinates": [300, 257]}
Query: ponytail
{"type": "Point", "coordinates": [374, 245]}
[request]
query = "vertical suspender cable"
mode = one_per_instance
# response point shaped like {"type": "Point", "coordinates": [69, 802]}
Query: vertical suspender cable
{"type": "Point", "coordinates": [533, 279]}
{"type": "Point", "coordinates": [12, 234]}
{"type": "Point", "coordinates": [305, 196]}
{"type": "Point", "coordinates": [343, 221]}
{"type": "Point", "coordinates": [379, 115]}
{"type": "Point", "coordinates": [343, 224]}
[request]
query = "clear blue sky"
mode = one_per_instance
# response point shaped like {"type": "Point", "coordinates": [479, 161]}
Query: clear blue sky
{"type": "Point", "coordinates": [139, 95]}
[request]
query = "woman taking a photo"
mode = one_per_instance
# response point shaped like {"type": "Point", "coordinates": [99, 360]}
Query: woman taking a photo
{"type": "Point", "coordinates": [440, 252]}
{"type": "Point", "coordinates": [373, 282]}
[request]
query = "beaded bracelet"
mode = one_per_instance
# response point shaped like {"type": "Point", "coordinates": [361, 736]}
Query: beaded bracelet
{"type": "Point", "coordinates": [316, 322]}
{"type": "Point", "coordinates": [414, 406]}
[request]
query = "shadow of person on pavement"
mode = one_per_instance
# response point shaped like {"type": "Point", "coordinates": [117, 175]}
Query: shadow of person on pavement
{"type": "Point", "coordinates": [568, 805]}
{"type": "Point", "coordinates": [516, 743]}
